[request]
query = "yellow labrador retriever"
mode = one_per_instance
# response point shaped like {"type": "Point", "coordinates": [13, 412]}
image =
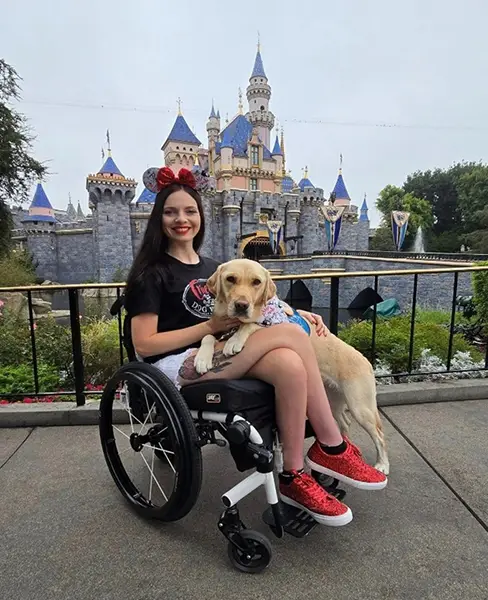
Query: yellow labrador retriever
{"type": "Point", "coordinates": [242, 289]}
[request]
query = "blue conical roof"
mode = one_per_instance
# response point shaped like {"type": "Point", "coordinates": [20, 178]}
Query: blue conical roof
{"type": "Point", "coordinates": [147, 196]}
{"type": "Point", "coordinates": [340, 190]}
{"type": "Point", "coordinates": [277, 147]}
{"type": "Point", "coordinates": [364, 211]}
{"type": "Point", "coordinates": [258, 69]}
{"type": "Point", "coordinates": [110, 168]}
{"type": "Point", "coordinates": [212, 113]}
{"type": "Point", "coordinates": [40, 199]}
{"type": "Point", "coordinates": [181, 133]}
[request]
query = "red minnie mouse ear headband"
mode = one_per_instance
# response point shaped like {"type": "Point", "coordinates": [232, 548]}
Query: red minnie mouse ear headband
{"type": "Point", "coordinates": [157, 179]}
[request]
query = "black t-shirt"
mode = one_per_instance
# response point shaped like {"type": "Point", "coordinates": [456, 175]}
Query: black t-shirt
{"type": "Point", "coordinates": [180, 298]}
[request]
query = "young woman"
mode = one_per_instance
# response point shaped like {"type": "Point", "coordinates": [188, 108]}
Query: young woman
{"type": "Point", "coordinates": [170, 311]}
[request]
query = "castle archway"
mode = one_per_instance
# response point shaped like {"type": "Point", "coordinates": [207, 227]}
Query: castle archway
{"type": "Point", "coordinates": [258, 246]}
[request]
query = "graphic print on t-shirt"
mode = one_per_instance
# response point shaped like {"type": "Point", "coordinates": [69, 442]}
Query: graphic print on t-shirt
{"type": "Point", "coordinates": [197, 299]}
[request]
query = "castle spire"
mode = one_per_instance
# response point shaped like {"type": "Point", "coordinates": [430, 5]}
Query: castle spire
{"type": "Point", "coordinates": [282, 144]}
{"type": "Point", "coordinates": [340, 191]}
{"type": "Point", "coordinates": [258, 69]}
{"type": "Point", "coordinates": [364, 210]}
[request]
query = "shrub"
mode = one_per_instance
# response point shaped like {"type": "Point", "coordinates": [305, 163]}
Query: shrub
{"type": "Point", "coordinates": [101, 354]}
{"type": "Point", "coordinates": [17, 269]}
{"type": "Point", "coordinates": [393, 341]}
{"type": "Point", "coordinates": [53, 343]}
{"type": "Point", "coordinates": [19, 379]}
{"type": "Point", "coordinates": [480, 285]}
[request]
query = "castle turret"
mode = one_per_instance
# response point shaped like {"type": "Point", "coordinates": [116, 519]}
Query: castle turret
{"type": "Point", "coordinates": [79, 213]}
{"type": "Point", "coordinates": [109, 196]}
{"type": "Point", "coordinates": [277, 154]}
{"type": "Point", "coordinates": [71, 211]}
{"type": "Point", "coordinates": [305, 182]}
{"type": "Point", "coordinates": [39, 225]}
{"type": "Point", "coordinates": [213, 131]}
{"type": "Point", "coordinates": [258, 95]}
{"type": "Point", "coordinates": [340, 192]}
{"type": "Point", "coordinates": [181, 145]}
{"type": "Point", "coordinates": [364, 210]}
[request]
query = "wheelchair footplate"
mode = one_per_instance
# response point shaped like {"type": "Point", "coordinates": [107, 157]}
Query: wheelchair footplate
{"type": "Point", "coordinates": [297, 522]}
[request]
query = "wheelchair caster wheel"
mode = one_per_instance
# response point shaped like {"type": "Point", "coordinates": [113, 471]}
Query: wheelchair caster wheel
{"type": "Point", "coordinates": [258, 555]}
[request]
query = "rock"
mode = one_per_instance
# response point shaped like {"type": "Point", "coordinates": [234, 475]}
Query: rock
{"type": "Point", "coordinates": [41, 307]}
{"type": "Point", "coordinates": [15, 304]}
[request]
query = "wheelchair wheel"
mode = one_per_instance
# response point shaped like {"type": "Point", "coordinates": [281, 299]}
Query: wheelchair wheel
{"type": "Point", "coordinates": [165, 427]}
{"type": "Point", "coordinates": [257, 559]}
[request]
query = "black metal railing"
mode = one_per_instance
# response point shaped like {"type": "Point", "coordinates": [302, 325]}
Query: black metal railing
{"type": "Point", "coordinates": [80, 387]}
{"type": "Point", "coordinates": [405, 255]}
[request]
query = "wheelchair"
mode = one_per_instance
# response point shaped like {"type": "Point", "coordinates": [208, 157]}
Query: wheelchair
{"type": "Point", "coordinates": [172, 426]}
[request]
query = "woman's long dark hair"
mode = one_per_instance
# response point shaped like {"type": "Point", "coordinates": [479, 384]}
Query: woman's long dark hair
{"type": "Point", "coordinates": [152, 252]}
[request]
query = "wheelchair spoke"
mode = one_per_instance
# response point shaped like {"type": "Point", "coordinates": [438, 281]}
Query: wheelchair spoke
{"type": "Point", "coordinates": [153, 476]}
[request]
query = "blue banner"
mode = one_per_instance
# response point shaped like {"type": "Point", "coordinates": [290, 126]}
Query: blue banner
{"type": "Point", "coordinates": [333, 221]}
{"type": "Point", "coordinates": [399, 224]}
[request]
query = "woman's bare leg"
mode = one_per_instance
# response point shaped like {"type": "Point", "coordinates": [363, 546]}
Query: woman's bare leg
{"type": "Point", "coordinates": [260, 343]}
{"type": "Point", "coordinates": [285, 370]}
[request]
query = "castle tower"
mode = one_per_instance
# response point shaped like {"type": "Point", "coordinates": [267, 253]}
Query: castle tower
{"type": "Point", "coordinates": [71, 212]}
{"type": "Point", "coordinates": [305, 182]}
{"type": "Point", "coordinates": [258, 95]}
{"type": "Point", "coordinates": [39, 225]}
{"type": "Point", "coordinates": [340, 191]}
{"type": "Point", "coordinates": [213, 131]}
{"type": "Point", "coordinates": [364, 211]}
{"type": "Point", "coordinates": [181, 145]}
{"type": "Point", "coordinates": [109, 196]}
{"type": "Point", "coordinates": [79, 213]}
{"type": "Point", "coordinates": [277, 154]}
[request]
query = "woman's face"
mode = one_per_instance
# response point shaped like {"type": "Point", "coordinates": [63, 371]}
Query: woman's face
{"type": "Point", "coordinates": [181, 219]}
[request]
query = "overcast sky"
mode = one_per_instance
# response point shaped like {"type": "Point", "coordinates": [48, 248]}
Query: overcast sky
{"type": "Point", "coordinates": [338, 71]}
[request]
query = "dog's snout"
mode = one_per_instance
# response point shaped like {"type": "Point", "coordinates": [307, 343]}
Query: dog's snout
{"type": "Point", "coordinates": [241, 307]}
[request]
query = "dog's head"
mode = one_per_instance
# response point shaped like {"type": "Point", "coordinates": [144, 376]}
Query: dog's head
{"type": "Point", "coordinates": [241, 288]}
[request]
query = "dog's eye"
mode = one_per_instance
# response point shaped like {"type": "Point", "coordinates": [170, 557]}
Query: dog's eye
{"type": "Point", "coordinates": [256, 282]}
{"type": "Point", "coordinates": [231, 279]}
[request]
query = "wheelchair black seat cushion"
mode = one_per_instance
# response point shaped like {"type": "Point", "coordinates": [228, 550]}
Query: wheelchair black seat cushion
{"type": "Point", "coordinates": [228, 395]}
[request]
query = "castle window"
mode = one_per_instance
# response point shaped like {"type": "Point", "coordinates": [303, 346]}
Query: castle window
{"type": "Point", "coordinates": [253, 184]}
{"type": "Point", "coordinates": [254, 155]}
{"type": "Point", "coordinates": [262, 107]}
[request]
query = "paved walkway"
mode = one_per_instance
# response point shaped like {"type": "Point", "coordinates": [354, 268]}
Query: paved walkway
{"type": "Point", "coordinates": [66, 533]}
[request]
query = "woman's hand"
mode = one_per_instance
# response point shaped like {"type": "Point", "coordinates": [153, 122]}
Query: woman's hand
{"type": "Point", "coordinates": [316, 320]}
{"type": "Point", "coordinates": [221, 324]}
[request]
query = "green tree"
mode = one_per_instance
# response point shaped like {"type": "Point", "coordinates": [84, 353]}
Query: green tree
{"type": "Point", "coordinates": [18, 169]}
{"type": "Point", "coordinates": [441, 188]}
{"type": "Point", "coordinates": [394, 198]}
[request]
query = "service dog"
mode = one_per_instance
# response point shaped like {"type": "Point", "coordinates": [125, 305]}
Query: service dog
{"type": "Point", "coordinates": [244, 289]}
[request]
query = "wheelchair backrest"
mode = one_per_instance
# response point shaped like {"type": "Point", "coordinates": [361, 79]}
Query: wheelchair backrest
{"type": "Point", "coordinates": [126, 334]}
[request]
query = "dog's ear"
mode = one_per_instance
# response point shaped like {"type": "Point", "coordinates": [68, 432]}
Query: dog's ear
{"type": "Point", "coordinates": [270, 288]}
{"type": "Point", "coordinates": [213, 282]}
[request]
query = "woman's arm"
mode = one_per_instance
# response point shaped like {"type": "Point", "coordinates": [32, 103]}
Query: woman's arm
{"type": "Point", "coordinates": [148, 342]}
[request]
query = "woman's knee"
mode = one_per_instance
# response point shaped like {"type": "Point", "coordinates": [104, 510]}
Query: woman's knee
{"type": "Point", "coordinates": [284, 366]}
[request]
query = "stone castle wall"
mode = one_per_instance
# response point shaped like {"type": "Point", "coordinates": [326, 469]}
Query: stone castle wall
{"type": "Point", "coordinates": [433, 290]}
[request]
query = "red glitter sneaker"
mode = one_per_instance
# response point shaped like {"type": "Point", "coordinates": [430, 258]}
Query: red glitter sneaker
{"type": "Point", "coordinates": [305, 493]}
{"type": "Point", "coordinates": [348, 467]}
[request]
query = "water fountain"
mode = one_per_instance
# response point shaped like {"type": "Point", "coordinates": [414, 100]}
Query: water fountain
{"type": "Point", "coordinates": [418, 244]}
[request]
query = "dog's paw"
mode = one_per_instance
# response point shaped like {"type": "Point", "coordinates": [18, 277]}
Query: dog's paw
{"type": "Point", "coordinates": [203, 364]}
{"type": "Point", "coordinates": [383, 468]}
{"type": "Point", "coordinates": [233, 346]}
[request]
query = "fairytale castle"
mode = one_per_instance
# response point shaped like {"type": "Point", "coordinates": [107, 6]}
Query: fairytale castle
{"type": "Point", "coordinates": [247, 159]}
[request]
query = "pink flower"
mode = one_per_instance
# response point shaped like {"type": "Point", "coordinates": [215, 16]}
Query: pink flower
{"type": "Point", "coordinates": [28, 400]}
{"type": "Point", "coordinates": [4, 402]}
